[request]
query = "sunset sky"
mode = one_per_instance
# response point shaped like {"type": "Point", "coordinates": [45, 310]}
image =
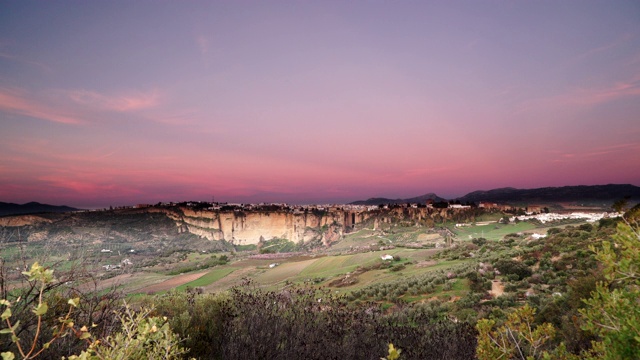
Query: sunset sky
{"type": "Point", "coordinates": [124, 102]}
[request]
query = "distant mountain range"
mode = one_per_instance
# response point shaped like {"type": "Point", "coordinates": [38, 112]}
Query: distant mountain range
{"type": "Point", "coordinates": [383, 201]}
{"type": "Point", "coordinates": [583, 193]}
{"type": "Point", "coordinates": [611, 192]}
{"type": "Point", "coordinates": [31, 208]}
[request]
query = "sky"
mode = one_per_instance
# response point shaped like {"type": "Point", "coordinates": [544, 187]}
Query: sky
{"type": "Point", "coordinates": [110, 103]}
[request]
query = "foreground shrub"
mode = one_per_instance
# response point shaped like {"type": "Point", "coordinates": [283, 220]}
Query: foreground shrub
{"type": "Point", "coordinates": [301, 322]}
{"type": "Point", "coordinates": [613, 311]}
{"type": "Point", "coordinates": [197, 318]}
{"type": "Point", "coordinates": [141, 337]}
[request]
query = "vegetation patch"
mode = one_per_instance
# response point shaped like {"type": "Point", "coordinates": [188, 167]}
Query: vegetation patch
{"type": "Point", "coordinates": [207, 279]}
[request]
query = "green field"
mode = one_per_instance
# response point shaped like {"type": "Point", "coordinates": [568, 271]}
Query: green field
{"type": "Point", "coordinates": [209, 278]}
{"type": "Point", "coordinates": [493, 231]}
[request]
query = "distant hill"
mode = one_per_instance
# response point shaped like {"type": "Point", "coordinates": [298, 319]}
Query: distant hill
{"type": "Point", "coordinates": [509, 195]}
{"type": "Point", "coordinates": [31, 208]}
{"type": "Point", "coordinates": [383, 201]}
{"type": "Point", "coordinates": [609, 192]}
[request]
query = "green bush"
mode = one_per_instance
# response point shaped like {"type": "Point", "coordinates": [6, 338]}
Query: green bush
{"type": "Point", "coordinates": [305, 323]}
{"type": "Point", "coordinates": [507, 267]}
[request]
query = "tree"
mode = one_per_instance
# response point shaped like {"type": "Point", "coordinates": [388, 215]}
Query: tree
{"type": "Point", "coordinates": [620, 205]}
{"type": "Point", "coordinates": [517, 338]}
{"type": "Point", "coordinates": [613, 311]}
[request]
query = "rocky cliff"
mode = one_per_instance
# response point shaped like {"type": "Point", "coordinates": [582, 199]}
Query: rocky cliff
{"type": "Point", "coordinates": [328, 226]}
{"type": "Point", "coordinates": [237, 226]}
{"type": "Point", "coordinates": [249, 227]}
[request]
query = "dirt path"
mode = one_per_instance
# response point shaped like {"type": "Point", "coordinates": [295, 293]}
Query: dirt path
{"type": "Point", "coordinates": [172, 283]}
{"type": "Point", "coordinates": [497, 288]}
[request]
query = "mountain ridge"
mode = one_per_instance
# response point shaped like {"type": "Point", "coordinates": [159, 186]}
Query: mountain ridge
{"type": "Point", "coordinates": [31, 208]}
{"type": "Point", "coordinates": [384, 201]}
{"type": "Point", "coordinates": [609, 192]}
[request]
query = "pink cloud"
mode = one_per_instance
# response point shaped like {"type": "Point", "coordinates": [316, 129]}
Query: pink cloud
{"type": "Point", "coordinates": [119, 103]}
{"type": "Point", "coordinates": [617, 151]}
{"type": "Point", "coordinates": [596, 96]}
{"type": "Point", "coordinates": [84, 106]}
{"type": "Point", "coordinates": [586, 97]}
{"type": "Point", "coordinates": [17, 102]}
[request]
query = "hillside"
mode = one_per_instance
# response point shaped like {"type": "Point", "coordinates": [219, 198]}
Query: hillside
{"type": "Point", "coordinates": [31, 208]}
{"type": "Point", "coordinates": [413, 200]}
{"type": "Point", "coordinates": [551, 195]}
{"type": "Point", "coordinates": [602, 193]}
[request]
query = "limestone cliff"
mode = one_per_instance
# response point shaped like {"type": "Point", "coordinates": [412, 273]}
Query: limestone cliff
{"type": "Point", "coordinates": [248, 227]}
{"type": "Point", "coordinates": [237, 225]}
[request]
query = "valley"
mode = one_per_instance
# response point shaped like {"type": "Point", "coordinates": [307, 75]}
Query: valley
{"type": "Point", "coordinates": [450, 268]}
{"type": "Point", "coordinates": [158, 248]}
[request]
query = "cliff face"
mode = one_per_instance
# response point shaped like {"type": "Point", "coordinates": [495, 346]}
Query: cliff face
{"type": "Point", "coordinates": [248, 227]}
{"type": "Point", "coordinates": [243, 228]}
{"type": "Point", "coordinates": [235, 226]}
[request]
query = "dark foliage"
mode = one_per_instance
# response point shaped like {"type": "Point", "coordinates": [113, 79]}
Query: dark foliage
{"type": "Point", "coordinates": [305, 323]}
{"type": "Point", "coordinates": [96, 307]}
{"type": "Point", "coordinates": [508, 267]}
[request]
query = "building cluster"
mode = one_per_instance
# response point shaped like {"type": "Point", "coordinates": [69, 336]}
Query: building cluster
{"type": "Point", "coordinates": [549, 217]}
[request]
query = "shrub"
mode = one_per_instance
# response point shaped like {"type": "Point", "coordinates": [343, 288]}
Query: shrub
{"type": "Point", "coordinates": [513, 267]}
{"type": "Point", "coordinates": [142, 336]}
{"type": "Point", "coordinates": [302, 322]}
{"type": "Point", "coordinates": [479, 241]}
{"type": "Point", "coordinates": [398, 267]}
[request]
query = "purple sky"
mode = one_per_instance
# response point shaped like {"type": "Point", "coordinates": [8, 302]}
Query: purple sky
{"type": "Point", "coordinates": [123, 102]}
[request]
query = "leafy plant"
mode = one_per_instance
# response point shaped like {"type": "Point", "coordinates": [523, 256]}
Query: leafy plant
{"type": "Point", "coordinates": [518, 338]}
{"type": "Point", "coordinates": [28, 348]}
{"type": "Point", "coordinates": [141, 337]}
{"type": "Point", "coordinates": [613, 311]}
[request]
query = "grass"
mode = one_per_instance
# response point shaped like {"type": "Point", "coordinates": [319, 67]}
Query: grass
{"type": "Point", "coordinates": [207, 279]}
{"type": "Point", "coordinates": [492, 231]}
{"type": "Point", "coordinates": [291, 271]}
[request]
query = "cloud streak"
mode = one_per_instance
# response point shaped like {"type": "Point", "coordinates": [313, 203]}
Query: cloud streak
{"type": "Point", "coordinates": [75, 107]}
{"type": "Point", "coordinates": [118, 103]}
{"type": "Point", "coordinates": [597, 96]}
{"type": "Point", "coordinates": [584, 98]}
{"type": "Point", "coordinates": [22, 60]}
{"type": "Point", "coordinates": [19, 103]}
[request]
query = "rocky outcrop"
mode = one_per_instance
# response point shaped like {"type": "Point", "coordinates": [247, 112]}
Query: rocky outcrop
{"type": "Point", "coordinates": [22, 220]}
{"type": "Point", "coordinates": [237, 225]}
{"type": "Point", "coordinates": [327, 226]}
{"type": "Point", "coordinates": [248, 227]}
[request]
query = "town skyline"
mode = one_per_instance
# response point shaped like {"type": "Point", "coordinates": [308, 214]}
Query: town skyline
{"type": "Point", "coordinates": [119, 103]}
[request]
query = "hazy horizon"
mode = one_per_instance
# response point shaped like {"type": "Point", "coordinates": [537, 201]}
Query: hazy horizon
{"type": "Point", "coordinates": [118, 103]}
{"type": "Point", "coordinates": [88, 206]}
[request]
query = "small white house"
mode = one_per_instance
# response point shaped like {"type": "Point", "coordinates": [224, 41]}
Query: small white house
{"type": "Point", "coordinates": [386, 257]}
